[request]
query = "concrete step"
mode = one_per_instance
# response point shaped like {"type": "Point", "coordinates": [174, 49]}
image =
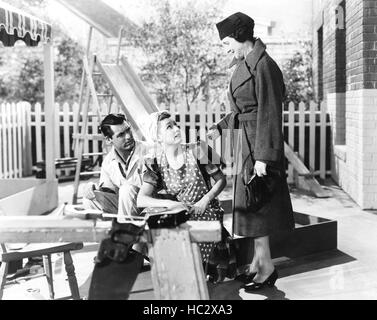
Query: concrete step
{"type": "Point", "coordinates": [311, 235]}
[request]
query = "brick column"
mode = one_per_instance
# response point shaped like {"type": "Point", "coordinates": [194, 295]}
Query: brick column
{"type": "Point", "coordinates": [359, 178]}
{"type": "Point", "coordinates": [353, 102]}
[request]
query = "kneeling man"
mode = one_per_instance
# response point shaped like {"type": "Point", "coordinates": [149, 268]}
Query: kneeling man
{"type": "Point", "coordinates": [121, 168]}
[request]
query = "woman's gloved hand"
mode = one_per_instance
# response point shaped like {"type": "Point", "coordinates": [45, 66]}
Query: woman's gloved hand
{"type": "Point", "coordinates": [213, 134]}
{"type": "Point", "coordinates": [260, 168]}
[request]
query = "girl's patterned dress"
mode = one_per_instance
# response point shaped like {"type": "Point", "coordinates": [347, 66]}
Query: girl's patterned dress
{"type": "Point", "coordinates": [189, 184]}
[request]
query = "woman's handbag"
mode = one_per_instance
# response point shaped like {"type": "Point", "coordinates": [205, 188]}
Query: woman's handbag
{"type": "Point", "coordinates": [259, 190]}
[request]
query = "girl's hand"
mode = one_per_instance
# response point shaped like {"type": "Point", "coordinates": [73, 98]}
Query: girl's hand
{"type": "Point", "coordinates": [201, 206]}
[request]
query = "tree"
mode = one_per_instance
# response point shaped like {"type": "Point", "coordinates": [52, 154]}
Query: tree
{"type": "Point", "coordinates": [184, 58]}
{"type": "Point", "coordinates": [30, 81]}
{"type": "Point", "coordinates": [298, 75]}
{"type": "Point", "coordinates": [28, 84]}
{"type": "Point", "coordinates": [68, 69]}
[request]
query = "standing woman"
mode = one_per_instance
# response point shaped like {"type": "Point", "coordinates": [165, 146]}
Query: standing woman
{"type": "Point", "coordinates": [256, 94]}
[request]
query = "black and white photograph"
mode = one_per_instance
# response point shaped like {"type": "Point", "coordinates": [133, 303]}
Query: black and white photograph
{"type": "Point", "coordinates": [204, 151]}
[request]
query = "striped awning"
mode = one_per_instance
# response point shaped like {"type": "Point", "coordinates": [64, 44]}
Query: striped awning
{"type": "Point", "coordinates": [17, 25]}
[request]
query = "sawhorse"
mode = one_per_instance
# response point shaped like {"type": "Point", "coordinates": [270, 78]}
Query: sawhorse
{"type": "Point", "coordinates": [176, 265]}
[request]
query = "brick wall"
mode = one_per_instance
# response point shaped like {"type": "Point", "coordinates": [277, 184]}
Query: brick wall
{"type": "Point", "coordinates": [354, 37]}
{"type": "Point", "coordinates": [370, 44]}
{"type": "Point", "coordinates": [350, 88]}
{"type": "Point", "coordinates": [340, 52]}
{"type": "Point", "coordinates": [343, 45]}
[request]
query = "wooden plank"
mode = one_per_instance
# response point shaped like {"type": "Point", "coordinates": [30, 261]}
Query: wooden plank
{"type": "Point", "coordinates": [45, 229]}
{"type": "Point", "coordinates": [192, 123]}
{"type": "Point", "coordinates": [89, 79]}
{"type": "Point", "coordinates": [301, 120]}
{"type": "Point", "coordinates": [19, 117]}
{"type": "Point", "coordinates": [202, 126]}
{"type": "Point", "coordinates": [97, 136]}
{"type": "Point", "coordinates": [312, 148]}
{"type": "Point", "coordinates": [217, 143]}
{"type": "Point", "coordinates": [291, 140]}
{"type": "Point", "coordinates": [182, 124]}
{"type": "Point", "coordinates": [66, 137]}
{"type": "Point", "coordinates": [199, 271]}
{"type": "Point", "coordinates": [80, 142]}
{"type": "Point", "coordinates": [50, 111]}
{"type": "Point", "coordinates": [323, 124]}
{"type": "Point", "coordinates": [227, 152]}
{"type": "Point", "coordinates": [173, 257]}
{"type": "Point", "coordinates": [13, 116]}
{"type": "Point", "coordinates": [2, 146]}
{"type": "Point", "coordinates": [66, 125]}
{"type": "Point", "coordinates": [27, 161]}
{"type": "Point", "coordinates": [37, 200]}
{"type": "Point", "coordinates": [38, 131]}
{"type": "Point", "coordinates": [9, 187]}
{"type": "Point", "coordinates": [95, 124]}
{"type": "Point", "coordinates": [310, 181]}
{"type": "Point", "coordinates": [10, 144]}
{"type": "Point", "coordinates": [211, 143]}
{"type": "Point", "coordinates": [77, 107]}
{"type": "Point", "coordinates": [76, 126]}
{"type": "Point", "coordinates": [58, 153]}
{"type": "Point", "coordinates": [4, 267]}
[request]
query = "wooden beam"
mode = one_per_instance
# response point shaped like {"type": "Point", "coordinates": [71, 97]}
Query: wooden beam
{"type": "Point", "coordinates": [37, 200]}
{"type": "Point", "coordinates": [49, 111]}
{"type": "Point", "coordinates": [311, 183]}
{"type": "Point", "coordinates": [177, 272]}
{"type": "Point", "coordinates": [47, 229]}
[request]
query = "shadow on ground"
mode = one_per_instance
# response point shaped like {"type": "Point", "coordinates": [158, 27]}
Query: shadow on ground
{"type": "Point", "coordinates": [231, 290]}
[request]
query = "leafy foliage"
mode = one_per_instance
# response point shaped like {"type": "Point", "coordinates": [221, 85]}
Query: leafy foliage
{"type": "Point", "coordinates": [68, 70]}
{"type": "Point", "coordinates": [30, 81]}
{"type": "Point", "coordinates": [298, 75]}
{"type": "Point", "coordinates": [68, 67]}
{"type": "Point", "coordinates": [184, 58]}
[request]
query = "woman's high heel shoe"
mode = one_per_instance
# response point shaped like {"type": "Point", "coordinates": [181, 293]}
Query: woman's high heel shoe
{"type": "Point", "coordinates": [246, 278]}
{"type": "Point", "coordinates": [270, 281]}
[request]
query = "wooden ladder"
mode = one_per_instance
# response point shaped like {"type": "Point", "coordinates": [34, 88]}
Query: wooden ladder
{"type": "Point", "coordinates": [87, 87]}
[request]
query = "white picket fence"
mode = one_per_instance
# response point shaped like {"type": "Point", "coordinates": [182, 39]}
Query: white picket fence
{"type": "Point", "coordinates": [15, 140]}
{"type": "Point", "coordinates": [306, 129]}
{"type": "Point", "coordinates": [22, 128]}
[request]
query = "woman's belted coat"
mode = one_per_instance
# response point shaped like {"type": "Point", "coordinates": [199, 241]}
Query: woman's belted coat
{"type": "Point", "coordinates": [256, 93]}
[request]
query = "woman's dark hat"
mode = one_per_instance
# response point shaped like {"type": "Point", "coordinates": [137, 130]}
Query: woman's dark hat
{"type": "Point", "coordinates": [229, 25]}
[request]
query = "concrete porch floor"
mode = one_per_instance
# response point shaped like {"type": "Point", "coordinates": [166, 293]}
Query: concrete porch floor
{"type": "Point", "coordinates": [347, 273]}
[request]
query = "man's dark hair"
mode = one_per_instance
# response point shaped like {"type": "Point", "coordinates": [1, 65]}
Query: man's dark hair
{"type": "Point", "coordinates": [242, 34]}
{"type": "Point", "coordinates": [110, 120]}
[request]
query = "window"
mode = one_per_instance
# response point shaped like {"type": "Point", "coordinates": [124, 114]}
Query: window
{"type": "Point", "coordinates": [320, 63]}
{"type": "Point", "coordinates": [340, 48]}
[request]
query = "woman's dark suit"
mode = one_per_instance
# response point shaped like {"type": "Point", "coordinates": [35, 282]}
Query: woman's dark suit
{"type": "Point", "coordinates": [256, 95]}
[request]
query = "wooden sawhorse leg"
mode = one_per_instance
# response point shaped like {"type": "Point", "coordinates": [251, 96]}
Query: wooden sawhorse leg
{"type": "Point", "coordinates": [72, 280]}
{"type": "Point", "coordinates": [47, 265]}
{"type": "Point", "coordinates": [176, 266]}
{"type": "Point", "coordinates": [3, 276]}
